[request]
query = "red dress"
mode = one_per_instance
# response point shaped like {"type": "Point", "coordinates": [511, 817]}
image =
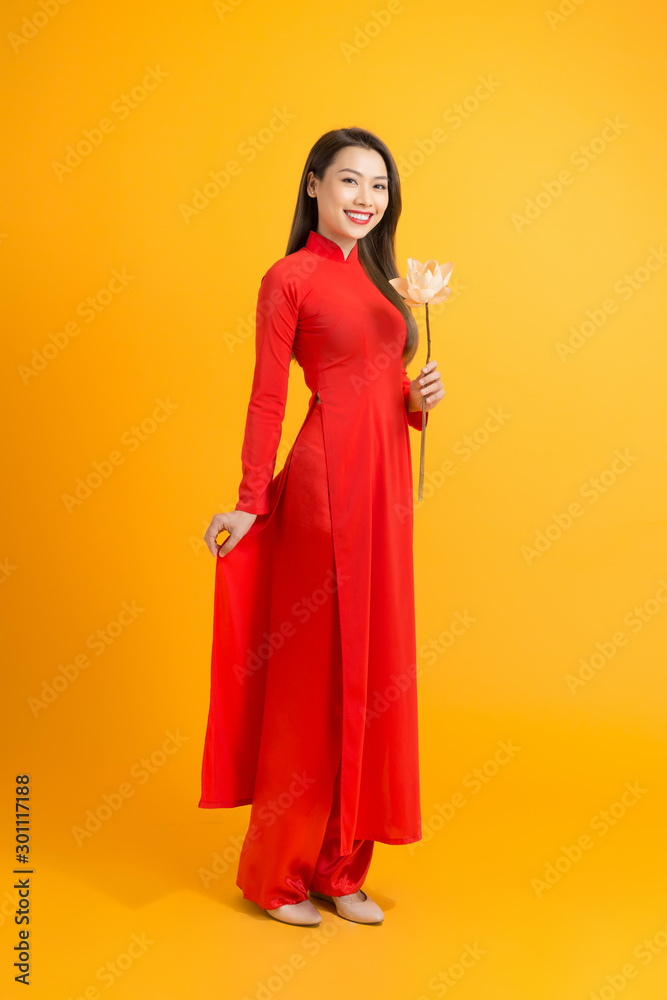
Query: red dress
{"type": "Point", "coordinates": [348, 339]}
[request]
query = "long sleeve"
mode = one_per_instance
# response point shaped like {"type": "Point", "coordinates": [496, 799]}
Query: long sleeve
{"type": "Point", "coordinates": [276, 321]}
{"type": "Point", "coordinates": [414, 416]}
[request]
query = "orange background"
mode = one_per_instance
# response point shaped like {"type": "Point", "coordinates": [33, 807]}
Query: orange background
{"type": "Point", "coordinates": [499, 118]}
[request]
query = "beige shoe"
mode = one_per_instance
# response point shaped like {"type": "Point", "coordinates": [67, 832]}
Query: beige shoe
{"type": "Point", "coordinates": [362, 911]}
{"type": "Point", "coordinates": [297, 913]}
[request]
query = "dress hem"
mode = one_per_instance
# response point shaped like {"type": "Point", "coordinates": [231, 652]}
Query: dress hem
{"type": "Point", "coordinates": [357, 836]}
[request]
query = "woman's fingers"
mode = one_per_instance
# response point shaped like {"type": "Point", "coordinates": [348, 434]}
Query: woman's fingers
{"type": "Point", "coordinates": [431, 386]}
{"type": "Point", "coordinates": [435, 394]}
{"type": "Point", "coordinates": [218, 524]}
{"type": "Point", "coordinates": [236, 522]}
{"type": "Point", "coordinates": [230, 542]}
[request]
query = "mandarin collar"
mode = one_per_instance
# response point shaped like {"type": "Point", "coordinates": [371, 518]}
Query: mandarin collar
{"type": "Point", "coordinates": [325, 247]}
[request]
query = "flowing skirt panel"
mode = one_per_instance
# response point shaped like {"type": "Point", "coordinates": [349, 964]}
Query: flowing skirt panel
{"type": "Point", "coordinates": [293, 833]}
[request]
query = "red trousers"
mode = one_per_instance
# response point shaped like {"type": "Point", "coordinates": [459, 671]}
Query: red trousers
{"type": "Point", "coordinates": [293, 834]}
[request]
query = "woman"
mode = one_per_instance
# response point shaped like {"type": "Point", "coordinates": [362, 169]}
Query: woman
{"type": "Point", "coordinates": [313, 711]}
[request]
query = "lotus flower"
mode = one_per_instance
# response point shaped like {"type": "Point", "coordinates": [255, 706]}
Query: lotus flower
{"type": "Point", "coordinates": [426, 284]}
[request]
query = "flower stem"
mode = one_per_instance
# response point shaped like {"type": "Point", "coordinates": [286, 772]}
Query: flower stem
{"type": "Point", "coordinates": [420, 495]}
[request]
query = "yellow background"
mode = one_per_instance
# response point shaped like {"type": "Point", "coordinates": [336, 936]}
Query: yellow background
{"type": "Point", "coordinates": [181, 330]}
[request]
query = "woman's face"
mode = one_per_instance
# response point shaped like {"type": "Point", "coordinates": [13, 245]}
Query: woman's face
{"type": "Point", "coordinates": [353, 194]}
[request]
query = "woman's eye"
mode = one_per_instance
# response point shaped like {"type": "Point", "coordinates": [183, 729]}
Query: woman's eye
{"type": "Point", "coordinates": [383, 186]}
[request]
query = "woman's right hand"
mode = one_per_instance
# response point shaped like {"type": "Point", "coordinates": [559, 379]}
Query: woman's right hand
{"type": "Point", "coordinates": [236, 522]}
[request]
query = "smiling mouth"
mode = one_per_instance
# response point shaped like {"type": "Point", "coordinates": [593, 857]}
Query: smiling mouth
{"type": "Point", "coordinates": [361, 218]}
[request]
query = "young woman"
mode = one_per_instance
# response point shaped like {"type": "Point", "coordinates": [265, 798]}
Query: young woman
{"type": "Point", "coordinates": [313, 710]}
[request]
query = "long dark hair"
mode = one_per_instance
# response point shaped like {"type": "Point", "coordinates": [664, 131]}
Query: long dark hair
{"type": "Point", "coordinates": [376, 250]}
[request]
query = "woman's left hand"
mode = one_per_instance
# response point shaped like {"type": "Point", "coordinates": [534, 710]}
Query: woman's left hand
{"type": "Point", "coordinates": [427, 384]}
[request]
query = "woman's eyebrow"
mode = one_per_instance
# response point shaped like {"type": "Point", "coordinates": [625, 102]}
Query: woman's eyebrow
{"type": "Point", "coordinates": [378, 177]}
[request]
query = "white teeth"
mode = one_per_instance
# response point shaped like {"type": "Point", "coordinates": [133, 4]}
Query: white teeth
{"type": "Point", "coordinates": [358, 215]}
